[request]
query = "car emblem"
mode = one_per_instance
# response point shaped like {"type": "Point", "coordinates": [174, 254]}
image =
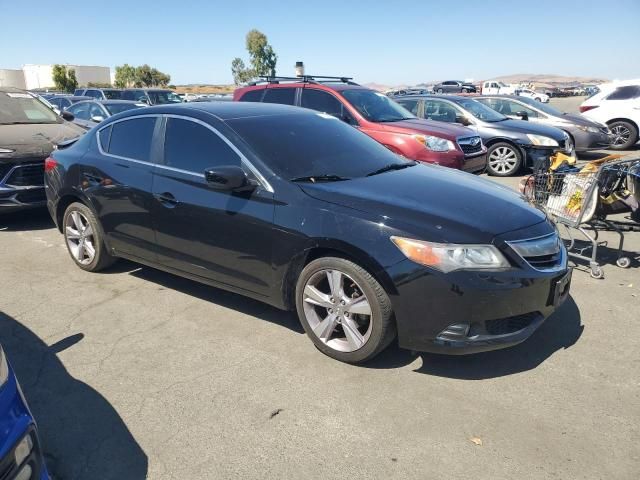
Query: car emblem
{"type": "Point", "coordinates": [475, 141]}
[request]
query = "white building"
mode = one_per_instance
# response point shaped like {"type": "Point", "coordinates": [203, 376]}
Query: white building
{"type": "Point", "coordinates": [12, 78]}
{"type": "Point", "coordinates": [33, 77]}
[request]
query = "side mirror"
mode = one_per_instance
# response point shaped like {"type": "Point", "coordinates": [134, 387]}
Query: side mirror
{"type": "Point", "coordinates": [523, 115]}
{"type": "Point", "coordinates": [463, 120]}
{"type": "Point", "coordinates": [228, 177]}
{"type": "Point", "coordinates": [97, 118]}
{"type": "Point", "coordinates": [68, 116]}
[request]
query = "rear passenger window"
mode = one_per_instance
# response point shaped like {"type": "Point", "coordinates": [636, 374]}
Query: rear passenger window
{"type": "Point", "coordinates": [103, 137]}
{"type": "Point", "coordinates": [285, 96]}
{"type": "Point", "coordinates": [193, 147]}
{"type": "Point", "coordinates": [252, 96]}
{"type": "Point", "coordinates": [321, 102]}
{"type": "Point", "coordinates": [132, 138]}
{"type": "Point", "coordinates": [625, 93]}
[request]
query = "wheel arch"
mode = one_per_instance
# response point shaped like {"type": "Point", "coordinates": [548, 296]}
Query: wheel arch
{"type": "Point", "coordinates": [322, 248]}
{"type": "Point", "coordinates": [628, 120]}
{"type": "Point", "coordinates": [510, 141]}
{"type": "Point", "coordinates": [66, 200]}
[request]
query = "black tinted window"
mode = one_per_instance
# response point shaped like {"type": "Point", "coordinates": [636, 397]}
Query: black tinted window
{"type": "Point", "coordinates": [132, 138]}
{"type": "Point", "coordinates": [93, 93]}
{"type": "Point", "coordinates": [252, 96]}
{"type": "Point", "coordinates": [193, 147]}
{"type": "Point", "coordinates": [112, 94]}
{"type": "Point", "coordinates": [321, 101]}
{"type": "Point", "coordinates": [308, 144]}
{"type": "Point", "coordinates": [625, 93]}
{"type": "Point", "coordinates": [285, 96]}
{"type": "Point", "coordinates": [410, 104]}
{"type": "Point", "coordinates": [104, 136]}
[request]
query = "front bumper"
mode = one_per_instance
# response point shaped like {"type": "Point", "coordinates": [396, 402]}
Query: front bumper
{"type": "Point", "coordinates": [468, 312]}
{"type": "Point", "coordinates": [16, 423]}
{"type": "Point", "coordinates": [22, 186]}
{"type": "Point", "coordinates": [591, 140]}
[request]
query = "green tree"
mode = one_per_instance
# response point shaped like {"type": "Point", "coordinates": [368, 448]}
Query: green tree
{"type": "Point", "coordinates": [125, 76]}
{"type": "Point", "coordinates": [261, 55]}
{"type": "Point", "coordinates": [64, 79]}
{"type": "Point", "coordinates": [241, 74]}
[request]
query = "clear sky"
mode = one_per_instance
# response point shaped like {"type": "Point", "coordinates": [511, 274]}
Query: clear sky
{"type": "Point", "coordinates": [390, 42]}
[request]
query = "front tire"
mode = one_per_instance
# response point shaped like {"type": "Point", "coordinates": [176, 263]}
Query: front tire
{"type": "Point", "coordinates": [503, 159]}
{"type": "Point", "coordinates": [344, 310]}
{"type": "Point", "coordinates": [464, 90]}
{"type": "Point", "coordinates": [625, 135]}
{"type": "Point", "coordinates": [439, 90]}
{"type": "Point", "coordinates": [84, 239]}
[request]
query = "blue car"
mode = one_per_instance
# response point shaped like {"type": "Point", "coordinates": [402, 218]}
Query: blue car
{"type": "Point", "coordinates": [20, 453]}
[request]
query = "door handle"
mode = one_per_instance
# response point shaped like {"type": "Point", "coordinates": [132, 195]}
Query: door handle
{"type": "Point", "coordinates": [166, 199]}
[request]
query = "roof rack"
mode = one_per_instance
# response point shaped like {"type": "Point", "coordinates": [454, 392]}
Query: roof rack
{"type": "Point", "coordinates": [302, 78]}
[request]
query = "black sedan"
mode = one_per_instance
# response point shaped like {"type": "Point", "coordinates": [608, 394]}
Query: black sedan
{"type": "Point", "coordinates": [299, 210]}
{"type": "Point", "coordinates": [511, 144]}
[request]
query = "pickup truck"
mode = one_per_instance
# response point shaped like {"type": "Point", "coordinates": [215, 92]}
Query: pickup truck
{"type": "Point", "coordinates": [497, 88]}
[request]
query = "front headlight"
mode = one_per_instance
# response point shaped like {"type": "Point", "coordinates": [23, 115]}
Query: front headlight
{"type": "Point", "coordinates": [450, 257]}
{"type": "Point", "coordinates": [435, 144]}
{"type": "Point", "coordinates": [584, 128]}
{"type": "Point", "coordinates": [542, 141]}
{"type": "Point", "coordinates": [4, 368]}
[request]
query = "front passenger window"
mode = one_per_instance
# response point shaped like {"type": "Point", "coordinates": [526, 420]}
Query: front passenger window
{"type": "Point", "coordinates": [193, 147]}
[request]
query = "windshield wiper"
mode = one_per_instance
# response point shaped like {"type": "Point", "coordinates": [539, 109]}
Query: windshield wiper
{"type": "Point", "coordinates": [399, 119]}
{"type": "Point", "coordinates": [392, 166]}
{"type": "Point", "coordinates": [320, 178]}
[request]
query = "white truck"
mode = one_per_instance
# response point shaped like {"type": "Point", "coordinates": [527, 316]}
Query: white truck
{"type": "Point", "coordinates": [498, 88]}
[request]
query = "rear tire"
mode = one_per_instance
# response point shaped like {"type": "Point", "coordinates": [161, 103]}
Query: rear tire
{"type": "Point", "coordinates": [625, 135]}
{"type": "Point", "coordinates": [464, 90]}
{"type": "Point", "coordinates": [344, 310]}
{"type": "Point", "coordinates": [439, 90]}
{"type": "Point", "coordinates": [503, 159]}
{"type": "Point", "coordinates": [84, 238]}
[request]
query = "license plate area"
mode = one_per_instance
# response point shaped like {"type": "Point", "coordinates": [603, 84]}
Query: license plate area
{"type": "Point", "coordinates": [560, 289]}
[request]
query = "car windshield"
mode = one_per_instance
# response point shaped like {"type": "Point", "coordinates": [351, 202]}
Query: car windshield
{"type": "Point", "coordinates": [375, 106]}
{"type": "Point", "coordinates": [162, 97]}
{"type": "Point", "coordinates": [480, 111]}
{"type": "Point", "coordinates": [298, 146]}
{"type": "Point", "coordinates": [21, 107]}
{"type": "Point", "coordinates": [541, 106]}
{"type": "Point", "coordinates": [114, 108]}
{"type": "Point", "coordinates": [112, 94]}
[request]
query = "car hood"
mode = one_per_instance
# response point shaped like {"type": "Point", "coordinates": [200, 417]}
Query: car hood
{"type": "Point", "coordinates": [433, 203]}
{"type": "Point", "coordinates": [37, 139]}
{"type": "Point", "coordinates": [429, 127]}
{"type": "Point", "coordinates": [579, 120]}
{"type": "Point", "coordinates": [523, 126]}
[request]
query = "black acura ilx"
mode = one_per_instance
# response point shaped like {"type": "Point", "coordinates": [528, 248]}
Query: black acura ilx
{"type": "Point", "coordinates": [302, 211]}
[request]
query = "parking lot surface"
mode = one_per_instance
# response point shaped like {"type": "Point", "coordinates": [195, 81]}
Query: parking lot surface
{"type": "Point", "coordinates": [134, 373]}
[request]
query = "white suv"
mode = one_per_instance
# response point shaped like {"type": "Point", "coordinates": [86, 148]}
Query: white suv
{"type": "Point", "coordinates": [618, 106]}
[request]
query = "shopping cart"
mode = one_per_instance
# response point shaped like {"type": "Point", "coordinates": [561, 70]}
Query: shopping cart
{"type": "Point", "coordinates": [583, 198]}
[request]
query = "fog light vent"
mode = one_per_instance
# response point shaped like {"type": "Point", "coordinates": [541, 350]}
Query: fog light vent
{"type": "Point", "coordinates": [455, 331]}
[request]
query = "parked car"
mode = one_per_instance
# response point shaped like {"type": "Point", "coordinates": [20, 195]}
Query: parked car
{"type": "Point", "coordinates": [497, 88]}
{"type": "Point", "coordinates": [151, 96]}
{"type": "Point", "coordinates": [454, 86]}
{"type": "Point", "coordinates": [618, 106]}
{"type": "Point", "coordinates": [99, 93]}
{"type": "Point", "coordinates": [62, 102]}
{"type": "Point", "coordinates": [379, 117]}
{"type": "Point", "coordinates": [537, 96]}
{"type": "Point", "coordinates": [585, 134]}
{"type": "Point", "coordinates": [20, 451]}
{"type": "Point", "coordinates": [511, 144]}
{"type": "Point", "coordinates": [90, 113]}
{"type": "Point", "coordinates": [29, 130]}
{"type": "Point", "coordinates": [299, 210]}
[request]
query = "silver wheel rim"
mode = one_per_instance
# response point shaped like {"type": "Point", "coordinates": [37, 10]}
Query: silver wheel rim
{"type": "Point", "coordinates": [621, 135]}
{"type": "Point", "coordinates": [503, 160]}
{"type": "Point", "coordinates": [80, 237]}
{"type": "Point", "coordinates": [337, 310]}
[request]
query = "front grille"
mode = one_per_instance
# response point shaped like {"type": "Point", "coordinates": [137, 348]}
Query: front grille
{"type": "Point", "coordinates": [543, 262]}
{"type": "Point", "coordinates": [503, 326]}
{"type": "Point", "coordinates": [27, 175]}
{"type": "Point", "coordinates": [543, 253]}
{"type": "Point", "coordinates": [470, 145]}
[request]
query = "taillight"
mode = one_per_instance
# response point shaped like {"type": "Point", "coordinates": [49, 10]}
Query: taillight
{"type": "Point", "coordinates": [49, 164]}
{"type": "Point", "coordinates": [586, 108]}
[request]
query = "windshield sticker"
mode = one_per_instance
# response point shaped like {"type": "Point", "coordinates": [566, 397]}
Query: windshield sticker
{"type": "Point", "coordinates": [19, 95]}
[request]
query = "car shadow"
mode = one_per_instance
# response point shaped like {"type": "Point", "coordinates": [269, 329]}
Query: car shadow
{"type": "Point", "coordinates": [82, 434]}
{"type": "Point", "coordinates": [36, 219]}
{"type": "Point", "coordinates": [559, 331]}
{"type": "Point", "coordinates": [211, 294]}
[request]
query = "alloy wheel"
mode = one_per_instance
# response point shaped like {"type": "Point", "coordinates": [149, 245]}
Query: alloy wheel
{"type": "Point", "coordinates": [503, 160]}
{"type": "Point", "coordinates": [337, 310]}
{"type": "Point", "coordinates": [80, 237]}
{"type": "Point", "coordinates": [621, 135]}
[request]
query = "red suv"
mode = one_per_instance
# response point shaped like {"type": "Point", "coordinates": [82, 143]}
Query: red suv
{"type": "Point", "coordinates": [376, 115]}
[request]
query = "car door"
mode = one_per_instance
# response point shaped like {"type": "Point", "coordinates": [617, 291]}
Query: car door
{"type": "Point", "coordinates": [439, 110]}
{"type": "Point", "coordinates": [325, 102]}
{"type": "Point", "coordinates": [118, 178]}
{"type": "Point", "coordinates": [222, 236]}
